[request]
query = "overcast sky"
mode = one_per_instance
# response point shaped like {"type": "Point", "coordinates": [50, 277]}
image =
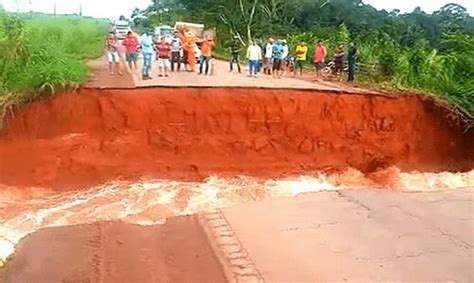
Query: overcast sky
{"type": "Point", "coordinates": [114, 8]}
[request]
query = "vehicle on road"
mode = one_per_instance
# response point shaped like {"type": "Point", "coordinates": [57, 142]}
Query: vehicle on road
{"type": "Point", "coordinates": [164, 31]}
{"type": "Point", "coordinates": [121, 28]}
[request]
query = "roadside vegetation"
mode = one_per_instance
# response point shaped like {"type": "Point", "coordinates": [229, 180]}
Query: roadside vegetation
{"type": "Point", "coordinates": [42, 53]}
{"type": "Point", "coordinates": [431, 53]}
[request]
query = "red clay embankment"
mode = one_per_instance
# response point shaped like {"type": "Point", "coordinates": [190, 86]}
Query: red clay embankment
{"type": "Point", "coordinates": [92, 136]}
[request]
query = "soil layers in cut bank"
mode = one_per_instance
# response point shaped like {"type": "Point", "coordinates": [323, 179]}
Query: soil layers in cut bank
{"type": "Point", "coordinates": [83, 138]}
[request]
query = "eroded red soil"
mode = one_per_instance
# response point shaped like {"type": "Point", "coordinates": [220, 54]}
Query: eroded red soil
{"type": "Point", "coordinates": [91, 136]}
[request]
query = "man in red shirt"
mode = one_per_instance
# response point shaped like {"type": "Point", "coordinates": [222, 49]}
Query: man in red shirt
{"type": "Point", "coordinates": [207, 45]}
{"type": "Point", "coordinates": [319, 58]}
{"type": "Point", "coordinates": [163, 56]}
{"type": "Point", "coordinates": [131, 46]}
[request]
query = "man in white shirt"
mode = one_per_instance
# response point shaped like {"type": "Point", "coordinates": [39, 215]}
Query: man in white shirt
{"type": "Point", "coordinates": [254, 54]}
{"type": "Point", "coordinates": [267, 61]}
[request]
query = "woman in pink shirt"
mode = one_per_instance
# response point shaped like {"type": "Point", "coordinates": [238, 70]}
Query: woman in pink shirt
{"type": "Point", "coordinates": [319, 58]}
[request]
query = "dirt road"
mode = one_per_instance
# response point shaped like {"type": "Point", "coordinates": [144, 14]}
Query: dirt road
{"type": "Point", "coordinates": [221, 77]}
{"type": "Point", "coordinates": [122, 149]}
{"type": "Point", "coordinates": [177, 251]}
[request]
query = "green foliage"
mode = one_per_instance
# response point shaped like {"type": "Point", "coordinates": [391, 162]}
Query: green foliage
{"type": "Point", "coordinates": [43, 53]}
{"type": "Point", "coordinates": [428, 52]}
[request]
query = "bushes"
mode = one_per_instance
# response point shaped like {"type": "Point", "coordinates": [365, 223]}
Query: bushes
{"type": "Point", "coordinates": [44, 53]}
{"type": "Point", "coordinates": [447, 73]}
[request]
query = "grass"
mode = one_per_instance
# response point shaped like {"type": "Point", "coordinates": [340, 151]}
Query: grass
{"type": "Point", "coordinates": [40, 53]}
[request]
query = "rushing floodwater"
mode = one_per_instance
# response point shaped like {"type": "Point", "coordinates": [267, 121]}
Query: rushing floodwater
{"type": "Point", "coordinates": [151, 202]}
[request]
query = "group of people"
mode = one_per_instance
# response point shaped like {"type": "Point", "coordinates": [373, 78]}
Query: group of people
{"type": "Point", "coordinates": [320, 55]}
{"type": "Point", "coordinates": [170, 51]}
{"type": "Point", "coordinates": [276, 59]}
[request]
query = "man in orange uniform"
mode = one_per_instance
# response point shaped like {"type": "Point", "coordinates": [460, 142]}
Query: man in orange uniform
{"type": "Point", "coordinates": [188, 40]}
{"type": "Point", "coordinates": [207, 45]}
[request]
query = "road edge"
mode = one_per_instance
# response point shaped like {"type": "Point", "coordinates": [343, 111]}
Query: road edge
{"type": "Point", "coordinates": [236, 263]}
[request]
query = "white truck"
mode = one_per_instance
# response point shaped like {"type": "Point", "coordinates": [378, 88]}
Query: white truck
{"type": "Point", "coordinates": [164, 31]}
{"type": "Point", "coordinates": [121, 28]}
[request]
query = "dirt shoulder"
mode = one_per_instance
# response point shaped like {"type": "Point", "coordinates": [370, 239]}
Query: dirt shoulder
{"type": "Point", "coordinates": [177, 251]}
{"type": "Point", "coordinates": [100, 77]}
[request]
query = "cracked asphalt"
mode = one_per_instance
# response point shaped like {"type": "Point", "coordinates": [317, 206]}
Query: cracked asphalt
{"type": "Point", "coordinates": [360, 236]}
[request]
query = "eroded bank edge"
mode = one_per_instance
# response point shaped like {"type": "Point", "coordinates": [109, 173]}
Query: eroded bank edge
{"type": "Point", "coordinates": [236, 262]}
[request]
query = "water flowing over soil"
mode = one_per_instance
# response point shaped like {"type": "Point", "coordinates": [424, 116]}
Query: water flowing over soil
{"type": "Point", "coordinates": [86, 138]}
{"type": "Point", "coordinates": [144, 155]}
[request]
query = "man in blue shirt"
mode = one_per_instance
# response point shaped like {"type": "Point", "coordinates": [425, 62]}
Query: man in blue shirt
{"type": "Point", "coordinates": [146, 43]}
{"type": "Point", "coordinates": [277, 57]}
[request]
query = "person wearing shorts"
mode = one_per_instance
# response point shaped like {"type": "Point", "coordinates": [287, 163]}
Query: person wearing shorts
{"type": "Point", "coordinates": [285, 58]}
{"type": "Point", "coordinates": [319, 58]}
{"type": "Point", "coordinates": [338, 59]}
{"type": "Point", "coordinates": [301, 53]}
{"type": "Point", "coordinates": [131, 44]}
{"type": "Point", "coordinates": [163, 56]}
{"type": "Point", "coordinates": [268, 58]}
{"type": "Point", "coordinates": [113, 58]}
{"type": "Point", "coordinates": [277, 56]}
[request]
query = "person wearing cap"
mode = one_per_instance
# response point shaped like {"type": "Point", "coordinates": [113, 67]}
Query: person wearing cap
{"type": "Point", "coordinates": [130, 42]}
{"type": "Point", "coordinates": [111, 44]}
{"type": "Point", "coordinates": [268, 58]}
{"type": "Point", "coordinates": [234, 48]}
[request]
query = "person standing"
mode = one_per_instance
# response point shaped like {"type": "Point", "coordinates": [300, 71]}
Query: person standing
{"type": "Point", "coordinates": [277, 56]}
{"type": "Point", "coordinates": [301, 53]}
{"type": "Point", "coordinates": [131, 47]}
{"type": "Point", "coordinates": [163, 56]}
{"type": "Point", "coordinates": [113, 58]}
{"type": "Point", "coordinates": [176, 50]}
{"type": "Point", "coordinates": [254, 54]}
{"type": "Point", "coordinates": [188, 43]}
{"type": "Point", "coordinates": [207, 45]}
{"type": "Point", "coordinates": [234, 49]}
{"type": "Point", "coordinates": [352, 54]}
{"type": "Point", "coordinates": [285, 60]}
{"type": "Point", "coordinates": [319, 58]}
{"type": "Point", "coordinates": [268, 58]}
{"type": "Point", "coordinates": [338, 59]}
{"type": "Point", "coordinates": [146, 43]}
